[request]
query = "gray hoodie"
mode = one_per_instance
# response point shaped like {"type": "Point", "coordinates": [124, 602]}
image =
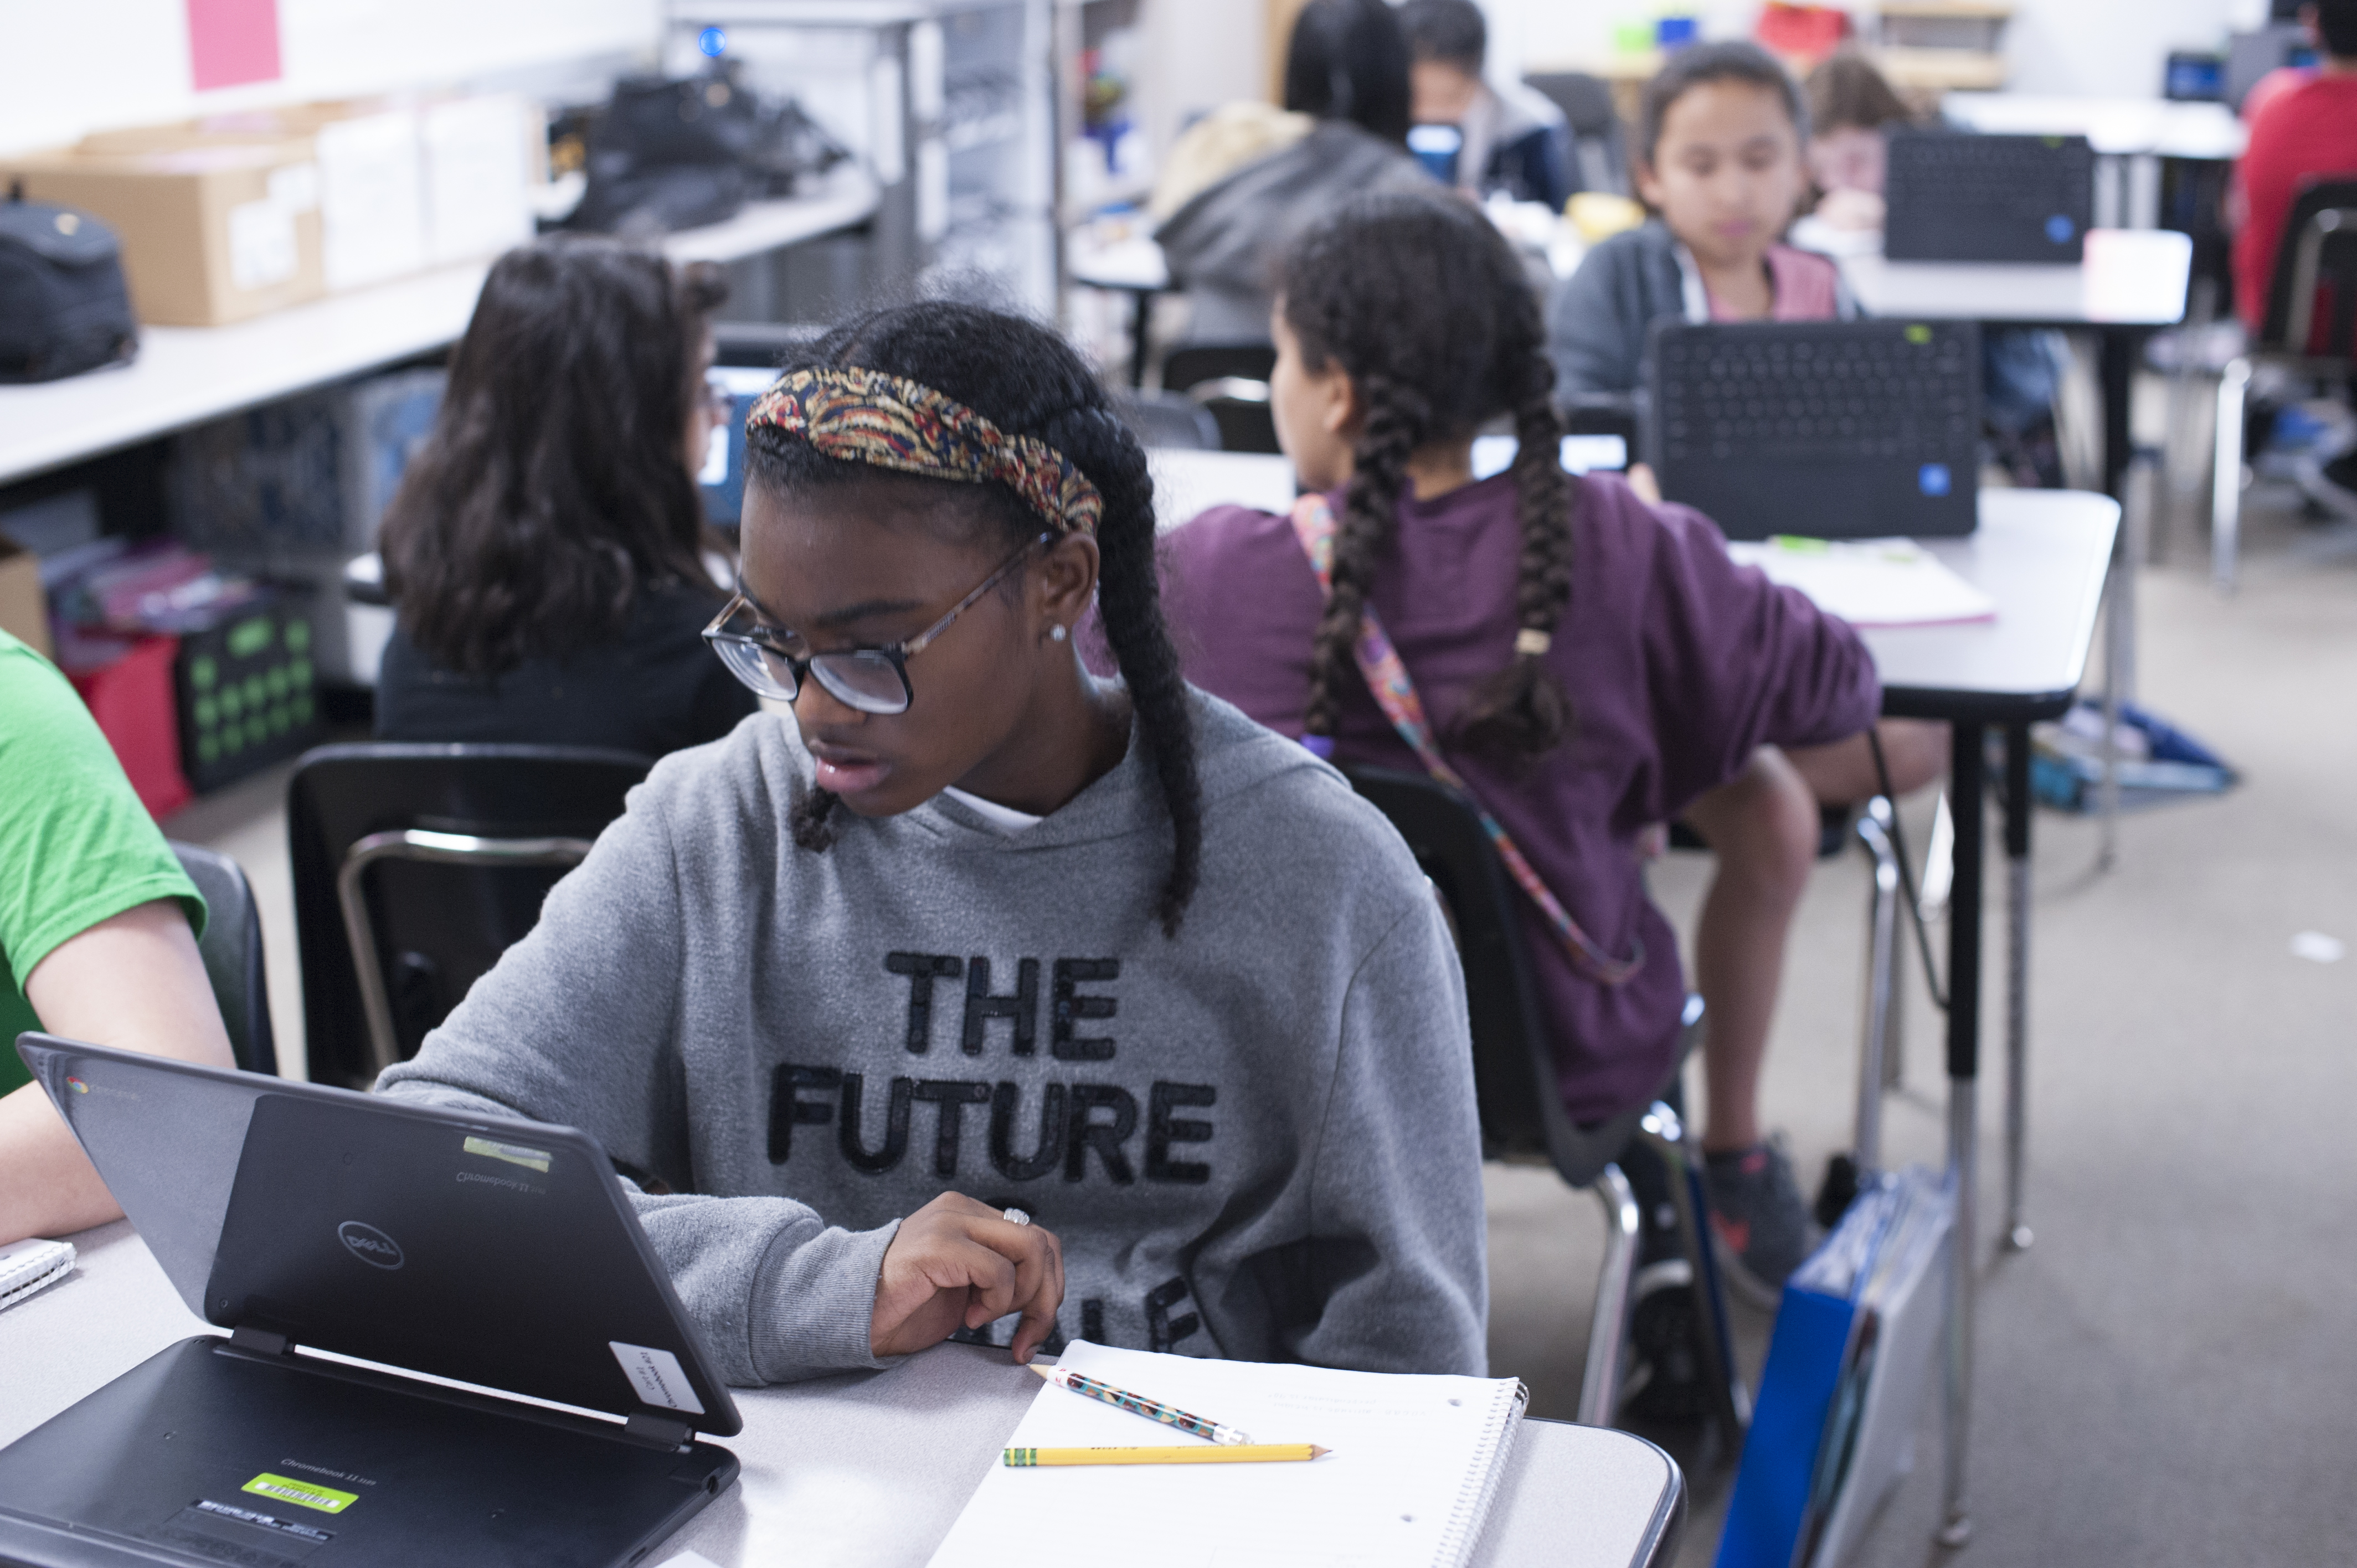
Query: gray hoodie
{"type": "Point", "coordinates": [1256, 1140]}
{"type": "Point", "coordinates": [1225, 246]}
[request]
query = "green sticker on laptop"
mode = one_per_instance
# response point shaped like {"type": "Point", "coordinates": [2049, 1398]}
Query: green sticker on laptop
{"type": "Point", "coordinates": [514, 1154]}
{"type": "Point", "coordinates": [302, 1494]}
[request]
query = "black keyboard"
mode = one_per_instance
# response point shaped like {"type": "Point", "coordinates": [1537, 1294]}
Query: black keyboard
{"type": "Point", "coordinates": [1876, 394]}
{"type": "Point", "coordinates": [1832, 429]}
{"type": "Point", "coordinates": [1965, 198]}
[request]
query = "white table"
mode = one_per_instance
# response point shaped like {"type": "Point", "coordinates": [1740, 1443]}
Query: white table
{"type": "Point", "coordinates": [2130, 137]}
{"type": "Point", "coordinates": [869, 1468]}
{"type": "Point", "coordinates": [187, 374]}
{"type": "Point", "coordinates": [2131, 277]}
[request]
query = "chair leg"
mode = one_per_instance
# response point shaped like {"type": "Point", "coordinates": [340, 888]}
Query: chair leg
{"type": "Point", "coordinates": [1881, 984]}
{"type": "Point", "coordinates": [1599, 1385]}
{"type": "Point", "coordinates": [2226, 477]}
{"type": "Point", "coordinates": [1662, 1132]}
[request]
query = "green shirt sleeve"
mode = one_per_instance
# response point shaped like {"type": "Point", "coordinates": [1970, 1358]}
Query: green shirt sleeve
{"type": "Point", "coordinates": [76, 846]}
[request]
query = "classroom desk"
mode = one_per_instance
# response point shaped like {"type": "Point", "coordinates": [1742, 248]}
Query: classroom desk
{"type": "Point", "coordinates": [869, 1468]}
{"type": "Point", "coordinates": [188, 374]}
{"type": "Point", "coordinates": [2043, 556]}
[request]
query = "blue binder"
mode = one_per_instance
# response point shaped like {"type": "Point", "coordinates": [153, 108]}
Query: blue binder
{"type": "Point", "coordinates": [1850, 1354]}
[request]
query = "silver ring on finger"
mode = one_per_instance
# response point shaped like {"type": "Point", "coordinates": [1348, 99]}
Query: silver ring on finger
{"type": "Point", "coordinates": [1015, 1216]}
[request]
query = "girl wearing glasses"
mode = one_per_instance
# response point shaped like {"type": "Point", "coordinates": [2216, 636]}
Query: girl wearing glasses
{"type": "Point", "coordinates": [544, 552]}
{"type": "Point", "coordinates": [987, 988]}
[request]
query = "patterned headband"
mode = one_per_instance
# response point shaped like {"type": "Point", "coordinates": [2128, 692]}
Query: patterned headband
{"type": "Point", "coordinates": [868, 417]}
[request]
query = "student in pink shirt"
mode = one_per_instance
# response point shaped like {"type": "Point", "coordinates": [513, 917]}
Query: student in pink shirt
{"type": "Point", "coordinates": [1718, 161]}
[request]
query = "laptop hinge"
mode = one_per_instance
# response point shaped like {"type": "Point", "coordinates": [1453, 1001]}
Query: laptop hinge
{"type": "Point", "coordinates": [261, 1341]}
{"type": "Point", "coordinates": [659, 1431]}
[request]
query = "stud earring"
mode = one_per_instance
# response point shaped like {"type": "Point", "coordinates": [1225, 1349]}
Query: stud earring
{"type": "Point", "coordinates": [1056, 633]}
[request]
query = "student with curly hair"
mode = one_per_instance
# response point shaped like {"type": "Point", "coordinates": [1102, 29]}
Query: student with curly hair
{"type": "Point", "coordinates": [1160, 1010]}
{"type": "Point", "coordinates": [1588, 664]}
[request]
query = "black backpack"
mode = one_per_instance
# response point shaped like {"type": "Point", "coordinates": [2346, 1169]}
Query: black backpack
{"type": "Point", "coordinates": [63, 307]}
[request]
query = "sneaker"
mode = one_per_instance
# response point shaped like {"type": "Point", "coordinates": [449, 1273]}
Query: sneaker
{"type": "Point", "coordinates": [1759, 1219]}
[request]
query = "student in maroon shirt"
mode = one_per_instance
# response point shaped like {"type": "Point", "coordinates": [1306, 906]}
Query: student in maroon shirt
{"type": "Point", "coordinates": [2303, 127]}
{"type": "Point", "coordinates": [1593, 665]}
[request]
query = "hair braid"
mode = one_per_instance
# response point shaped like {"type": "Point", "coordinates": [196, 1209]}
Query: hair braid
{"type": "Point", "coordinates": [1521, 713]}
{"type": "Point", "coordinates": [1396, 423]}
{"type": "Point", "coordinates": [1129, 610]}
{"type": "Point", "coordinates": [1425, 306]}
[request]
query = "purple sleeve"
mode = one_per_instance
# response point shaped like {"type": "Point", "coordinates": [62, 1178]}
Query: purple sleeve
{"type": "Point", "coordinates": [1734, 662]}
{"type": "Point", "coordinates": [1242, 606]}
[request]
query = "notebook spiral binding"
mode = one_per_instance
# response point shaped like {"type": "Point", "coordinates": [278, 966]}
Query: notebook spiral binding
{"type": "Point", "coordinates": [1472, 1508]}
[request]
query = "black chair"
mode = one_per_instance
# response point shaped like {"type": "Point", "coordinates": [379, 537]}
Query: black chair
{"type": "Point", "coordinates": [232, 949]}
{"type": "Point", "coordinates": [1600, 148]}
{"type": "Point", "coordinates": [415, 867]}
{"type": "Point", "coordinates": [1521, 1111]}
{"type": "Point", "coordinates": [2310, 331]}
{"type": "Point", "coordinates": [1229, 381]}
{"type": "Point", "coordinates": [1168, 420]}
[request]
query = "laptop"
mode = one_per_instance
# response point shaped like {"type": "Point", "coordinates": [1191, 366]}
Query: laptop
{"type": "Point", "coordinates": [1819, 429]}
{"type": "Point", "coordinates": [1961, 197]}
{"type": "Point", "coordinates": [299, 1219]}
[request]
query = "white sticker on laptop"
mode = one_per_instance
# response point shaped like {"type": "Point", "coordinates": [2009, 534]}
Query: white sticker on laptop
{"type": "Point", "coordinates": [657, 1377]}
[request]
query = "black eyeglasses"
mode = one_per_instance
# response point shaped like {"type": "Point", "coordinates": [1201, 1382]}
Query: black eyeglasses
{"type": "Point", "coordinates": [872, 680]}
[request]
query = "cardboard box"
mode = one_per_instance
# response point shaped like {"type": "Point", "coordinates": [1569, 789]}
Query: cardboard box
{"type": "Point", "coordinates": [211, 233]}
{"type": "Point", "coordinates": [403, 185]}
{"type": "Point", "coordinates": [24, 612]}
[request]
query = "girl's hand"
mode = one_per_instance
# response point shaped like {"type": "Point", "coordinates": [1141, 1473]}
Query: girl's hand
{"type": "Point", "coordinates": [956, 1264]}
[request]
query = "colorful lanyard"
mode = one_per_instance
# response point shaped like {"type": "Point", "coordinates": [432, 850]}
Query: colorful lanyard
{"type": "Point", "coordinates": [1387, 678]}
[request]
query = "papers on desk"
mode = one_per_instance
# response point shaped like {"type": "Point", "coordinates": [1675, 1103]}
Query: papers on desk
{"type": "Point", "coordinates": [1869, 582]}
{"type": "Point", "coordinates": [1416, 1460]}
{"type": "Point", "coordinates": [31, 1264]}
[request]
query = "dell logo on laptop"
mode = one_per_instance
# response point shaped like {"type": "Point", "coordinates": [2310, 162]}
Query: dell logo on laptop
{"type": "Point", "coordinates": [368, 1244]}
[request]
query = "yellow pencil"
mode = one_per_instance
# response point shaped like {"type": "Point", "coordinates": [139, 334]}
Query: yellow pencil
{"type": "Point", "coordinates": [1209, 1454]}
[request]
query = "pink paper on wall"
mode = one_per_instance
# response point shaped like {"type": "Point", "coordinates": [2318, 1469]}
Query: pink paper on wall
{"type": "Point", "coordinates": [232, 42]}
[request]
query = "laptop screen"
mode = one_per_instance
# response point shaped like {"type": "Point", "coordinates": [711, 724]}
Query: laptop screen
{"type": "Point", "coordinates": [491, 1251]}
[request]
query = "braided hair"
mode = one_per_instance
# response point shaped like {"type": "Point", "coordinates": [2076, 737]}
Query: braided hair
{"type": "Point", "coordinates": [1425, 306]}
{"type": "Point", "coordinates": [1027, 380]}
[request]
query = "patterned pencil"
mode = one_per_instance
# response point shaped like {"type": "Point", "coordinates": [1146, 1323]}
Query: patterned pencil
{"type": "Point", "coordinates": [1138, 1405]}
{"type": "Point", "coordinates": [1229, 1454]}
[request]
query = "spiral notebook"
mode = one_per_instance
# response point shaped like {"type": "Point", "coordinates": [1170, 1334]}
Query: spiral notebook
{"type": "Point", "coordinates": [26, 1266]}
{"type": "Point", "coordinates": [1416, 1460]}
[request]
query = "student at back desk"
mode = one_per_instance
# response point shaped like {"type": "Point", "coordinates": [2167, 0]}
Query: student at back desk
{"type": "Point", "coordinates": [2303, 127]}
{"type": "Point", "coordinates": [544, 553]}
{"type": "Point", "coordinates": [1246, 177]}
{"type": "Point", "coordinates": [1589, 663]}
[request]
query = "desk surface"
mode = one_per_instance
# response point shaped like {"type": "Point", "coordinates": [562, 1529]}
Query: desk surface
{"type": "Point", "coordinates": [2120, 127]}
{"type": "Point", "coordinates": [2132, 277]}
{"type": "Point", "coordinates": [870, 1468]}
{"type": "Point", "coordinates": [2040, 554]}
{"type": "Point", "coordinates": [185, 374]}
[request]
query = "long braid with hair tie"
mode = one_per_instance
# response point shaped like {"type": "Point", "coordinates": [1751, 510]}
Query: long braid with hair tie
{"type": "Point", "coordinates": [1522, 713]}
{"type": "Point", "coordinates": [1129, 601]}
{"type": "Point", "coordinates": [1397, 421]}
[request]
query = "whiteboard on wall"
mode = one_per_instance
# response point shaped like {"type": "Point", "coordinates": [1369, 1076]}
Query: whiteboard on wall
{"type": "Point", "coordinates": [66, 69]}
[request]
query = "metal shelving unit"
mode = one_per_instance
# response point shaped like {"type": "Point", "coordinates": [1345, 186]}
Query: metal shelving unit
{"type": "Point", "coordinates": [950, 104]}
